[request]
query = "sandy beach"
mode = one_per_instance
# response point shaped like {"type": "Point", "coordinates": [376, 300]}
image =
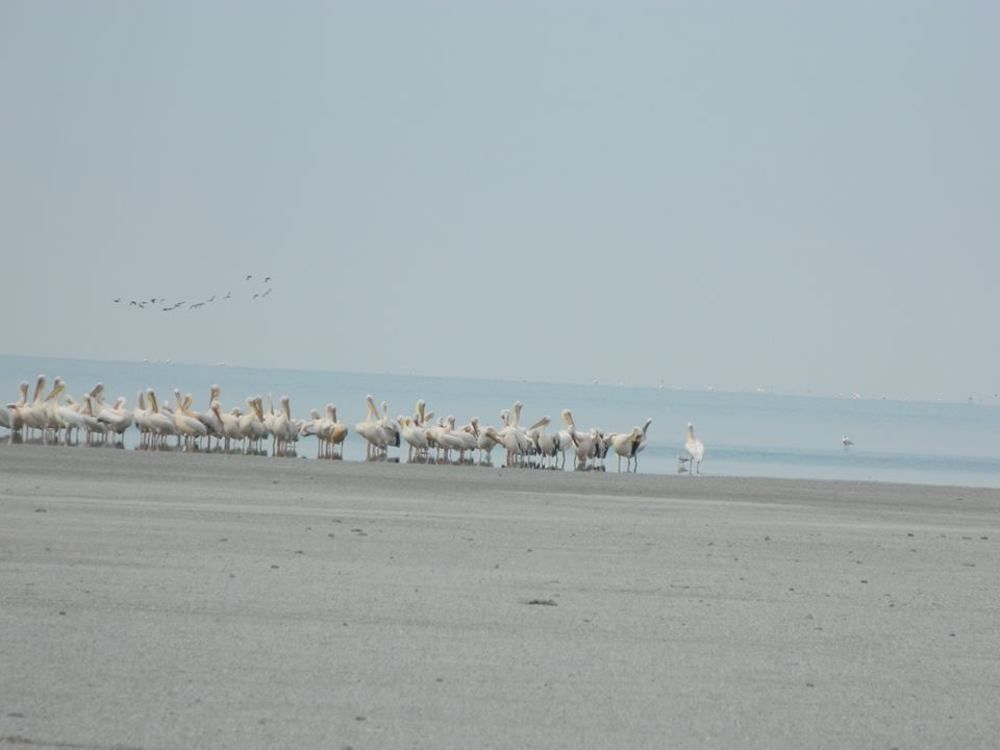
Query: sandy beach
{"type": "Point", "coordinates": [203, 601]}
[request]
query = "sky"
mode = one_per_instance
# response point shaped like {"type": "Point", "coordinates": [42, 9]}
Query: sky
{"type": "Point", "coordinates": [799, 197]}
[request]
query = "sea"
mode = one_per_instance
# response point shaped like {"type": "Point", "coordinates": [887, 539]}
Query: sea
{"type": "Point", "coordinates": [745, 434]}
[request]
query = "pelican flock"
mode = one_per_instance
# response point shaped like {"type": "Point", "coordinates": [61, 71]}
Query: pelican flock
{"type": "Point", "coordinates": [47, 414]}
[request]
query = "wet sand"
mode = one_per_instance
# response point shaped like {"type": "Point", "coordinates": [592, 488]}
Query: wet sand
{"type": "Point", "coordinates": [200, 601]}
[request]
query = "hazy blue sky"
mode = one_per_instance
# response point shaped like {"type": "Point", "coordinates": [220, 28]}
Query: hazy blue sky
{"type": "Point", "coordinates": [789, 195]}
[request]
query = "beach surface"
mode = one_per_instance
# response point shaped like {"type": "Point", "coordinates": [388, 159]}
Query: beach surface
{"type": "Point", "coordinates": [206, 601]}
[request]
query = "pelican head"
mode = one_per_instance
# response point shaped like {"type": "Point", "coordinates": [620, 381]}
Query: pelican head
{"type": "Point", "coordinates": [39, 387]}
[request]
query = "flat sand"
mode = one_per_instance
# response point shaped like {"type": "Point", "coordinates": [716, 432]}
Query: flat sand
{"type": "Point", "coordinates": [203, 601]}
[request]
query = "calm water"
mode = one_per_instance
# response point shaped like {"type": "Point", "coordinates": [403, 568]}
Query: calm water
{"type": "Point", "coordinates": [744, 434]}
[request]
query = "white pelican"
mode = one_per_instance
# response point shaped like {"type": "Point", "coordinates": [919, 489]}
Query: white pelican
{"type": "Point", "coordinates": [96, 430]}
{"type": "Point", "coordinates": [588, 446]}
{"type": "Point", "coordinates": [372, 431]}
{"type": "Point", "coordinates": [629, 445]}
{"type": "Point", "coordinates": [537, 434]}
{"type": "Point", "coordinates": [210, 419]}
{"type": "Point", "coordinates": [13, 410]}
{"type": "Point", "coordinates": [230, 423]}
{"type": "Point", "coordinates": [32, 415]}
{"type": "Point", "coordinates": [389, 425]}
{"type": "Point", "coordinates": [461, 440]}
{"type": "Point", "coordinates": [316, 427]}
{"type": "Point", "coordinates": [50, 406]}
{"type": "Point", "coordinates": [337, 432]}
{"type": "Point", "coordinates": [415, 436]}
{"type": "Point", "coordinates": [247, 429]}
{"type": "Point", "coordinates": [116, 418]}
{"type": "Point", "coordinates": [625, 445]}
{"type": "Point", "coordinates": [284, 429]}
{"type": "Point", "coordinates": [695, 449]}
{"type": "Point", "coordinates": [486, 440]}
{"type": "Point", "coordinates": [160, 424]}
{"type": "Point", "coordinates": [259, 426]}
{"type": "Point", "coordinates": [72, 418]}
{"type": "Point", "coordinates": [140, 416]}
{"type": "Point", "coordinates": [514, 437]}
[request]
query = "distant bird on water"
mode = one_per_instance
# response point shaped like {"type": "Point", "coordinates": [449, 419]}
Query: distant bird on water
{"type": "Point", "coordinates": [846, 441]}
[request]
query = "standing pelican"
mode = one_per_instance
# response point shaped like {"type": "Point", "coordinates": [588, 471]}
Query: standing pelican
{"type": "Point", "coordinates": [695, 450]}
{"type": "Point", "coordinates": [588, 446]}
{"type": "Point", "coordinates": [13, 411]}
{"type": "Point", "coordinates": [372, 431]}
{"type": "Point", "coordinates": [160, 424]}
{"type": "Point", "coordinates": [642, 443]}
{"type": "Point", "coordinates": [626, 445]}
{"type": "Point", "coordinates": [514, 437]}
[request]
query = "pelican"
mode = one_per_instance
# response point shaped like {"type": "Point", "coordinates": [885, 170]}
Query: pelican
{"type": "Point", "coordinates": [210, 419]}
{"type": "Point", "coordinates": [230, 423]}
{"type": "Point", "coordinates": [188, 427]}
{"type": "Point", "coordinates": [13, 411]}
{"type": "Point", "coordinates": [72, 418]}
{"type": "Point", "coordinates": [389, 425]}
{"type": "Point", "coordinates": [117, 418]}
{"type": "Point", "coordinates": [461, 440]}
{"type": "Point", "coordinates": [247, 425]}
{"type": "Point", "coordinates": [625, 445]}
{"type": "Point", "coordinates": [629, 445]}
{"type": "Point", "coordinates": [259, 426]}
{"type": "Point", "coordinates": [140, 416]}
{"type": "Point", "coordinates": [160, 424]}
{"type": "Point", "coordinates": [50, 419]}
{"type": "Point", "coordinates": [97, 431]}
{"type": "Point", "coordinates": [337, 432]}
{"type": "Point", "coordinates": [537, 434]}
{"type": "Point", "coordinates": [415, 436]}
{"type": "Point", "coordinates": [695, 449]}
{"type": "Point", "coordinates": [588, 446]}
{"type": "Point", "coordinates": [372, 431]}
{"type": "Point", "coordinates": [316, 426]}
{"type": "Point", "coordinates": [32, 415]}
{"type": "Point", "coordinates": [486, 440]}
{"type": "Point", "coordinates": [514, 437]}
{"type": "Point", "coordinates": [283, 429]}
